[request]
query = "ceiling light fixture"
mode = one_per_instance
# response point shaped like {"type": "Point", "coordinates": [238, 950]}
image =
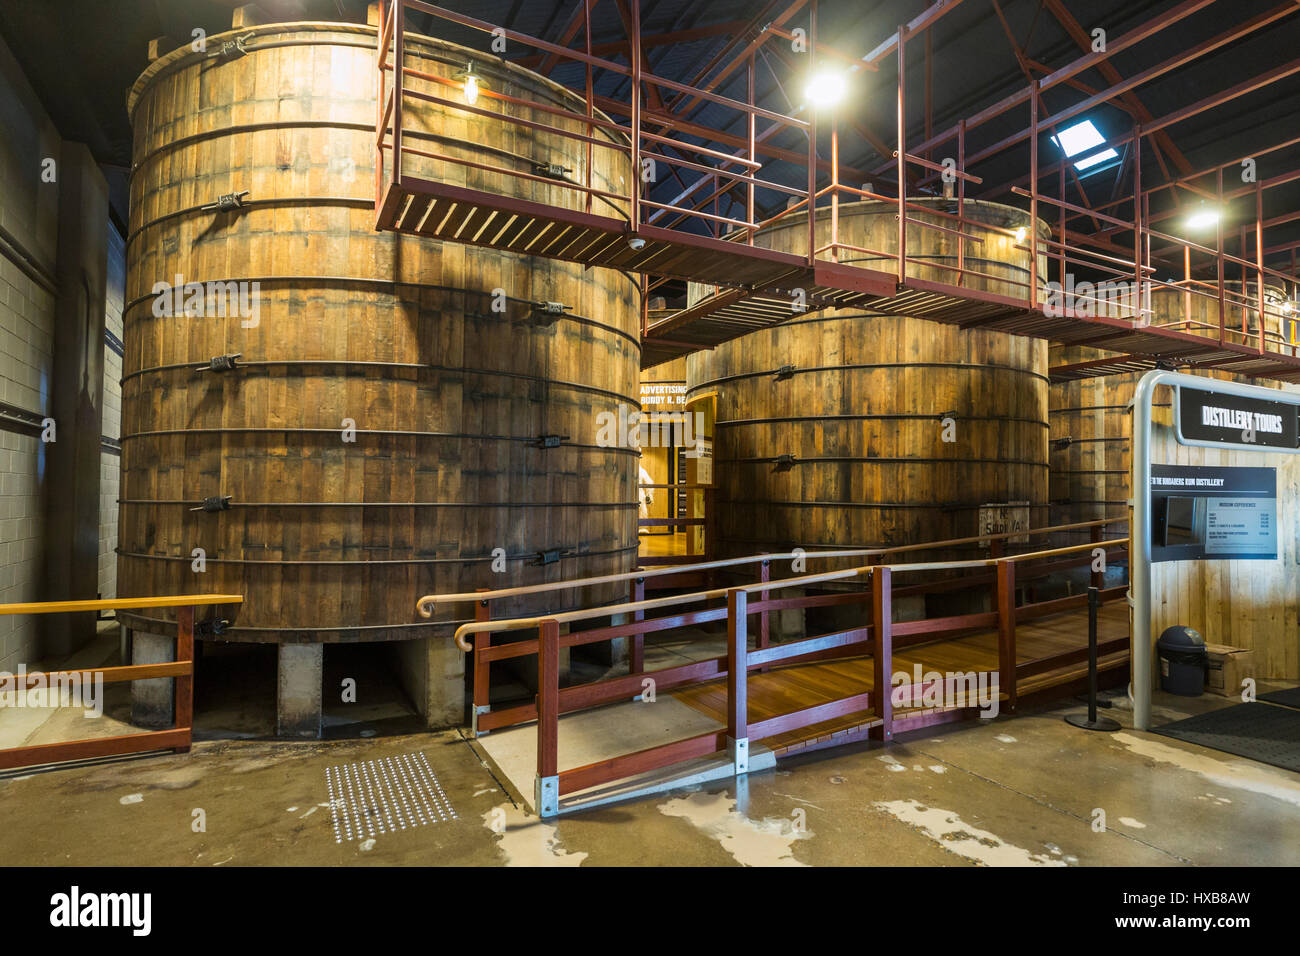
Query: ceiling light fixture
{"type": "Point", "coordinates": [825, 88]}
{"type": "Point", "coordinates": [1203, 218]}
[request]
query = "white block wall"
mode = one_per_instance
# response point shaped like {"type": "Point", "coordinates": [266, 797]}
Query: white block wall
{"type": "Point", "coordinates": [29, 213]}
{"type": "Point", "coordinates": [110, 464]}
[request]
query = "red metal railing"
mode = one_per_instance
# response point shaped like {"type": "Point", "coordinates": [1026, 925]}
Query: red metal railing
{"type": "Point", "coordinates": [653, 131]}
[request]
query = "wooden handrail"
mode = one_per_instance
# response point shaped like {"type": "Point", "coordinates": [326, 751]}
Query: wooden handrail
{"type": "Point", "coordinates": [180, 671]}
{"type": "Point", "coordinates": [524, 623]}
{"type": "Point", "coordinates": [114, 604]}
{"type": "Point", "coordinates": [426, 605]}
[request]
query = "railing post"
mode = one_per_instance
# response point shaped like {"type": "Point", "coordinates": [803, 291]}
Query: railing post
{"type": "Point", "coordinates": [882, 658]}
{"type": "Point", "coordinates": [1137, 225]}
{"type": "Point", "coordinates": [482, 667]}
{"type": "Point", "coordinates": [1259, 261]}
{"type": "Point", "coordinates": [399, 61]}
{"type": "Point", "coordinates": [764, 632]}
{"type": "Point", "coordinates": [183, 687]}
{"type": "Point", "coordinates": [1097, 576]}
{"type": "Point", "coordinates": [1006, 602]}
{"type": "Point", "coordinates": [812, 151]}
{"type": "Point", "coordinates": [638, 179]}
{"type": "Point", "coordinates": [380, 124]}
{"type": "Point", "coordinates": [738, 680]}
{"type": "Point", "coordinates": [961, 194]}
{"type": "Point", "coordinates": [1033, 195]}
{"type": "Point", "coordinates": [591, 103]}
{"type": "Point", "coordinates": [1061, 226]}
{"type": "Point", "coordinates": [636, 650]}
{"type": "Point", "coordinates": [546, 790]}
{"type": "Point", "coordinates": [750, 154]}
{"type": "Point", "coordinates": [835, 188]}
{"type": "Point", "coordinates": [902, 160]}
{"type": "Point", "coordinates": [1218, 248]}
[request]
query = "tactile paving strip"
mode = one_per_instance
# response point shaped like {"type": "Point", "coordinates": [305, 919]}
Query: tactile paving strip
{"type": "Point", "coordinates": [385, 795]}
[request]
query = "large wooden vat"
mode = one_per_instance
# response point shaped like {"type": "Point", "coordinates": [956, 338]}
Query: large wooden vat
{"type": "Point", "coordinates": [473, 414]}
{"type": "Point", "coordinates": [1089, 455]}
{"type": "Point", "coordinates": [858, 402]}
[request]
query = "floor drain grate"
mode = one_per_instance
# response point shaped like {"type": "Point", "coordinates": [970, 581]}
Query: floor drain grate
{"type": "Point", "coordinates": [385, 795]}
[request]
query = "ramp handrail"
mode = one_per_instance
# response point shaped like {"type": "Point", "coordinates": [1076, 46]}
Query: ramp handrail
{"type": "Point", "coordinates": [426, 605]}
{"type": "Point", "coordinates": [563, 617]}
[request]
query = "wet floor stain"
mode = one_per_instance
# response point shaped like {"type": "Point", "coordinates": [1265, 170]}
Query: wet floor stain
{"type": "Point", "coordinates": [766, 842]}
{"type": "Point", "coordinates": [525, 840]}
{"type": "Point", "coordinates": [1237, 774]}
{"type": "Point", "coordinates": [948, 829]}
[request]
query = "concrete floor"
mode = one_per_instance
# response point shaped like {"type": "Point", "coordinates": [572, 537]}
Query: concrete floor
{"type": "Point", "coordinates": [1022, 790]}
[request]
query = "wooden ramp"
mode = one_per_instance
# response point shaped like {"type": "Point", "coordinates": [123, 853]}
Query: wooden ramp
{"type": "Point", "coordinates": [604, 734]}
{"type": "Point", "coordinates": [760, 700]}
{"type": "Point", "coordinates": [784, 690]}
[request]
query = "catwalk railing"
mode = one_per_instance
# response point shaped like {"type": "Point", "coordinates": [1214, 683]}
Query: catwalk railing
{"type": "Point", "coordinates": [878, 635]}
{"type": "Point", "coordinates": [177, 739]}
{"type": "Point", "coordinates": [730, 199]}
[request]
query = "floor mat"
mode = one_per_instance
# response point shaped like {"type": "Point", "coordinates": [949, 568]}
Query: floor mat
{"type": "Point", "coordinates": [1262, 732]}
{"type": "Point", "coordinates": [1287, 698]}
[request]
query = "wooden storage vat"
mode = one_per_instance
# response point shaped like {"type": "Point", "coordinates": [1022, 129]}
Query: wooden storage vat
{"type": "Point", "coordinates": [435, 353]}
{"type": "Point", "coordinates": [857, 399]}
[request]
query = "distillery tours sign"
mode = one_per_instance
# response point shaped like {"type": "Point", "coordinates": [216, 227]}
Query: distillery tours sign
{"type": "Point", "coordinates": [1204, 512]}
{"type": "Point", "coordinates": [1235, 419]}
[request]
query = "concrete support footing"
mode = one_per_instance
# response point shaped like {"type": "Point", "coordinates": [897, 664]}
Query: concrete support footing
{"type": "Point", "coordinates": [152, 701]}
{"type": "Point", "coordinates": [298, 690]}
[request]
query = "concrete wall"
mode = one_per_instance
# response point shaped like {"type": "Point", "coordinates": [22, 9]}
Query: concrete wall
{"type": "Point", "coordinates": [28, 218]}
{"type": "Point", "coordinates": [110, 461]}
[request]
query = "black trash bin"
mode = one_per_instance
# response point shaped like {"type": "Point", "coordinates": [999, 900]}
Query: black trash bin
{"type": "Point", "coordinates": [1183, 661]}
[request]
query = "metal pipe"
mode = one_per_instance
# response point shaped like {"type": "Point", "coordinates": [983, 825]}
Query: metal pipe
{"type": "Point", "coordinates": [902, 157]}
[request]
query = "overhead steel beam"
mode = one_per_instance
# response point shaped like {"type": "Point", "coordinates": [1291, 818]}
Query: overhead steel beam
{"type": "Point", "coordinates": [1107, 69]}
{"type": "Point", "coordinates": [570, 31]}
{"type": "Point", "coordinates": [648, 41]}
{"type": "Point", "coordinates": [1085, 62]}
